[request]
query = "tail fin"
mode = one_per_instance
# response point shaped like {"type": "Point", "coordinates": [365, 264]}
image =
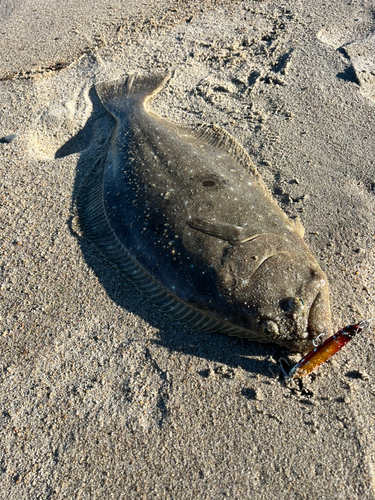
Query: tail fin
{"type": "Point", "coordinates": [119, 95]}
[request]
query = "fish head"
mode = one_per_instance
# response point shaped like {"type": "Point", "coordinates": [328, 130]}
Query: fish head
{"type": "Point", "coordinates": [292, 302]}
{"type": "Point", "coordinates": [282, 297]}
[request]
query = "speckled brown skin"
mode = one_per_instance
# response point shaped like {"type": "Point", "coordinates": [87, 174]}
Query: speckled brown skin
{"type": "Point", "coordinates": [187, 218]}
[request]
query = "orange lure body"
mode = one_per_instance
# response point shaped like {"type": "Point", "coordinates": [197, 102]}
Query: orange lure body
{"type": "Point", "coordinates": [326, 350]}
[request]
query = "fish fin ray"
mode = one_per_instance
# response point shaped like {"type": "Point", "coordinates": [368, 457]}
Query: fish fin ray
{"type": "Point", "coordinates": [220, 138]}
{"type": "Point", "coordinates": [298, 227]}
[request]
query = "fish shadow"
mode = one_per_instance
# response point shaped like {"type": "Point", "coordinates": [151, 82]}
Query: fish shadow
{"type": "Point", "coordinates": [253, 357]}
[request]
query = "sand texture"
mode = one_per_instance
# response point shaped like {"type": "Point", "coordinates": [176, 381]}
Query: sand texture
{"type": "Point", "coordinates": [103, 397]}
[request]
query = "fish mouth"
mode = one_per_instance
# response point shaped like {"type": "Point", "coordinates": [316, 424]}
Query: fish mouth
{"type": "Point", "coordinates": [312, 315]}
{"type": "Point", "coordinates": [317, 324]}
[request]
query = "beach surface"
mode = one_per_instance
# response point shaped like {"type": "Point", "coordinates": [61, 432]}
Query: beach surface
{"type": "Point", "coordinates": [103, 397]}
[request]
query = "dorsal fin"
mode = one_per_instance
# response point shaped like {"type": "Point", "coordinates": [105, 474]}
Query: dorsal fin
{"type": "Point", "coordinates": [221, 139]}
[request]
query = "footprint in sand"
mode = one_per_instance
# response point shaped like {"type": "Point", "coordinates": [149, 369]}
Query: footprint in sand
{"type": "Point", "coordinates": [56, 122]}
{"type": "Point", "coordinates": [362, 58]}
{"type": "Point", "coordinates": [358, 49]}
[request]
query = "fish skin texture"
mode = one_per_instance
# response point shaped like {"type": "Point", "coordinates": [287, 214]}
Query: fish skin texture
{"type": "Point", "coordinates": [185, 215]}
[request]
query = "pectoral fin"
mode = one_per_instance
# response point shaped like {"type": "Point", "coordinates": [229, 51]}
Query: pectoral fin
{"type": "Point", "coordinates": [228, 232]}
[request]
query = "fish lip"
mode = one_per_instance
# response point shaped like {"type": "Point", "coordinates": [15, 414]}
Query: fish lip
{"type": "Point", "coordinates": [311, 312]}
{"type": "Point", "coordinates": [310, 321]}
{"type": "Point", "coordinates": [304, 343]}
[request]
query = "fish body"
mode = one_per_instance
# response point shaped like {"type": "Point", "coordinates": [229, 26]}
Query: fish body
{"type": "Point", "coordinates": [184, 214]}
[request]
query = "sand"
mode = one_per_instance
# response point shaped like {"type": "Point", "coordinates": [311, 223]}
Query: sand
{"type": "Point", "coordinates": [101, 396]}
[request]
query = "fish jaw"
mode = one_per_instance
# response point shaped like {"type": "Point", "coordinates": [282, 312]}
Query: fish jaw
{"type": "Point", "coordinates": [320, 313]}
{"type": "Point", "coordinates": [314, 320]}
{"type": "Point", "coordinates": [285, 299]}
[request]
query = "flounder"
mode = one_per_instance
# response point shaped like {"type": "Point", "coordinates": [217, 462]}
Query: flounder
{"type": "Point", "coordinates": [184, 214]}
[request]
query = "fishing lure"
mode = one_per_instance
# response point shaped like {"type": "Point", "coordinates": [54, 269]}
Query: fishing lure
{"type": "Point", "coordinates": [326, 350]}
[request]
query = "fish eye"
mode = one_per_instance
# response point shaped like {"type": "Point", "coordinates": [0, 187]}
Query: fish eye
{"type": "Point", "coordinates": [296, 304]}
{"type": "Point", "coordinates": [270, 329]}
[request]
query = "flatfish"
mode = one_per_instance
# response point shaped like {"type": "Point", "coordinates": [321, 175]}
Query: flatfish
{"type": "Point", "coordinates": [185, 215]}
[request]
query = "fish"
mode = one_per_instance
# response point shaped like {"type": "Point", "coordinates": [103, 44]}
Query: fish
{"type": "Point", "coordinates": [184, 214]}
{"type": "Point", "coordinates": [326, 350]}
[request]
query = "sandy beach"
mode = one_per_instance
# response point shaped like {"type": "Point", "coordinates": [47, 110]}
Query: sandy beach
{"type": "Point", "coordinates": [101, 395]}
